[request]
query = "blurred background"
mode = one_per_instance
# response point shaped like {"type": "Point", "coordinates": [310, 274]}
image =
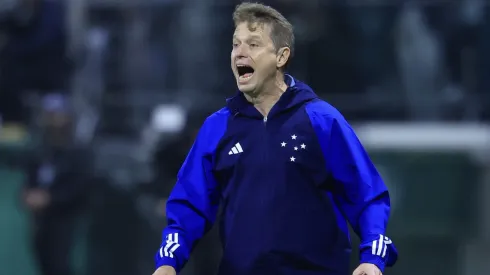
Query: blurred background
{"type": "Point", "coordinates": [100, 101]}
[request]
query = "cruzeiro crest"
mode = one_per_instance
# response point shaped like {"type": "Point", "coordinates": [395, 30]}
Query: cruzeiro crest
{"type": "Point", "coordinates": [294, 146]}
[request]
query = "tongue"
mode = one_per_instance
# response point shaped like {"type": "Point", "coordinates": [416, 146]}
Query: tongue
{"type": "Point", "coordinates": [247, 75]}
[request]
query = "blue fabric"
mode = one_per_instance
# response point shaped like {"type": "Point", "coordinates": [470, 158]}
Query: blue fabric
{"type": "Point", "coordinates": [287, 184]}
{"type": "Point", "coordinates": [358, 189]}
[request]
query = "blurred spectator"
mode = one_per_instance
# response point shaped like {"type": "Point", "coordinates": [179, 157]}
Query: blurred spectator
{"type": "Point", "coordinates": [370, 27]}
{"type": "Point", "coordinates": [56, 188]}
{"type": "Point", "coordinates": [169, 157]}
{"type": "Point", "coordinates": [32, 53]}
{"type": "Point", "coordinates": [168, 160]}
{"type": "Point", "coordinates": [438, 48]}
{"type": "Point", "coordinates": [483, 64]}
{"type": "Point", "coordinates": [420, 64]}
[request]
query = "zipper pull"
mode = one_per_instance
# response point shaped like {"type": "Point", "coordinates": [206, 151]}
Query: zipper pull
{"type": "Point", "coordinates": [265, 119]}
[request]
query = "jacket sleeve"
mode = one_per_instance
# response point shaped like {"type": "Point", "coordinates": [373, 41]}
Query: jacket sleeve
{"type": "Point", "coordinates": [358, 190]}
{"type": "Point", "coordinates": [193, 202]}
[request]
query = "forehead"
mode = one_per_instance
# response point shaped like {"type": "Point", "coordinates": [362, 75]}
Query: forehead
{"type": "Point", "coordinates": [246, 30]}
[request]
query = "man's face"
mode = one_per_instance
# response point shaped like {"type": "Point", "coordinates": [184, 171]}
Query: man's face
{"type": "Point", "coordinates": [253, 58]}
{"type": "Point", "coordinates": [56, 126]}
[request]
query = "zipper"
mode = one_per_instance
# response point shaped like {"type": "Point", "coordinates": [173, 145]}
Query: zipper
{"type": "Point", "coordinates": [266, 139]}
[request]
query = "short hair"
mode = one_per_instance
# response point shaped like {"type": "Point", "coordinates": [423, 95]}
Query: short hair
{"type": "Point", "coordinates": [282, 34]}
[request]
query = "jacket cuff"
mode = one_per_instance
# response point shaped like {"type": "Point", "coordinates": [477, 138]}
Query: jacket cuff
{"type": "Point", "coordinates": [161, 261]}
{"type": "Point", "coordinates": [368, 258]}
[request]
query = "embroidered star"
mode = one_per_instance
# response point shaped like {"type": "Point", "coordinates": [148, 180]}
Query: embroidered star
{"type": "Point", "coordinates": [295, 148]}
{"type": "Point", "coordinates": [283, 144]}
{"type": "Point", "coordinates": [293, 136]}
{"type": "Point", "coordinates": [292, 159]}
{"type": "Point", "coordinates": [303, 146]}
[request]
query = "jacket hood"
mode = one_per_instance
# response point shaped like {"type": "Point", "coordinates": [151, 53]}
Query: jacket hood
{"type": "Point", "coordinates": [296, 94]}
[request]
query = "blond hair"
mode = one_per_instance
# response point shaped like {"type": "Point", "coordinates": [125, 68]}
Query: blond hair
{"type": "Point", "coordinates": [282, 34]}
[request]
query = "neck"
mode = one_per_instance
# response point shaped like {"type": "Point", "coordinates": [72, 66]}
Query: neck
{"type": "Point", "coordinates": [268, 94]}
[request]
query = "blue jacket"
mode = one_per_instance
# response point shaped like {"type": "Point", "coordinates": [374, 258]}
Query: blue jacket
{"type": "Point", "coordinates": [287, 184]}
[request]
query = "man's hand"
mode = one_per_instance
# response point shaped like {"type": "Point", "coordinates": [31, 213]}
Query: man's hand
{"type": "Point", "coordinates": [165, 270]}
{"type": "Point", "coordinates": [367, 269]}
{"type": "Point", "coordinates": [37, 199]}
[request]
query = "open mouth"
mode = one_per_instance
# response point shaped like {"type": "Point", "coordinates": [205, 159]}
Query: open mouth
{"type": "Point", "coordinates": [245, 72]}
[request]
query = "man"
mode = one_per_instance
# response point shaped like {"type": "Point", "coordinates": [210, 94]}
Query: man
{"type": "Point", "coordinates": [33, 56]}
{"type": "Point", "coordinates": [57, 188]}
{"type": "Point", "coordinates": [286, 167]}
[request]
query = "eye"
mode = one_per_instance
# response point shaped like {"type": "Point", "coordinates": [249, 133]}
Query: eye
{"type": "Point", "coordinates": [254, 45]}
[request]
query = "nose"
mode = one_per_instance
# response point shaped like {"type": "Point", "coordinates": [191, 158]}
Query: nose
{"type": "Point", "coordinates": [241, 51]}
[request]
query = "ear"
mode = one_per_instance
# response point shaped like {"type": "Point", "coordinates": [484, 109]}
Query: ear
{"type": "Point", "coordinates": [283, 56]}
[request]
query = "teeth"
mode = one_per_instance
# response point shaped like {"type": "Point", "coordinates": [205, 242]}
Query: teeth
{"type": "Point", "coordinates": [246, 77]}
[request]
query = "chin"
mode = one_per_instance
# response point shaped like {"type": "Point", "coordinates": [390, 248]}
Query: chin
{"type": "Point", "coordinates": [246, 87]}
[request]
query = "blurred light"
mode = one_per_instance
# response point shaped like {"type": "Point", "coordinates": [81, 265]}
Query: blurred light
{"type": "Point", "coordinates": [55, 103]}
{"type": "Point", "coordinates": [168, 118]}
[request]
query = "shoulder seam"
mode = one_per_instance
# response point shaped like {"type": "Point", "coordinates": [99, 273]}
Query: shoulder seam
{"type": "Point", "coordinates": [332, 112]}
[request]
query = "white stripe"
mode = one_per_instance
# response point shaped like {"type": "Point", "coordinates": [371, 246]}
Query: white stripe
{"type": "Point", "coordinates": [230, 153]}
{"type": "Point", "coordinates": [380, 245]}
{"type": "Point", "coordinates": [239, 147]}
{"type": "Point", "coordinates": [171, 246]}
{"type": "Point", "coordinates": [170, 254]}
{"type": "Point", "coordinates": [169, 243]}
{"type": "Point", "coordinates": [166, 249]}
{"type": "Point", "coordinates": [387, 240]}
{"type": "Point", "coordinates": [173, 249]}
{"type": "Point", "coordinates": [384, 251]}
{"type": "Point", "coordinates": [161, 252]}
{"type": "Point", "coordinates": [235, 151]}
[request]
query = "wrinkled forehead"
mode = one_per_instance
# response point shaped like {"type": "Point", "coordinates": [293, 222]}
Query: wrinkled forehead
{"type": "Point", "coordinates": [247, 29]}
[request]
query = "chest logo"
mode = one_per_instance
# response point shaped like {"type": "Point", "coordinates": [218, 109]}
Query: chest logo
{"type": "Point", "coordinates": [237, 149]}
{"type": "Point", "coordinates": [294, 146]}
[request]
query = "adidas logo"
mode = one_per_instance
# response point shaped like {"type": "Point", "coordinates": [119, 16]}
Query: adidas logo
{"type": "Point", "coordinates": [237, 149]}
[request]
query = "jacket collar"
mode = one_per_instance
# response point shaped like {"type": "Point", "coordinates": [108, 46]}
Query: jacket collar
{"type": "Point", "coordinates": [297, 93]}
